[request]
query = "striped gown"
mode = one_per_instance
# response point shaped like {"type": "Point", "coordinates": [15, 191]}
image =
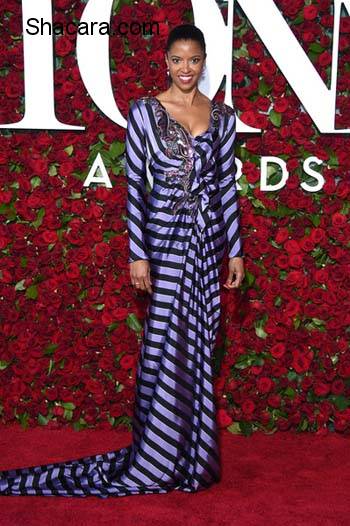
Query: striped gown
{"type": "Point", "coordinates": [182, 228]}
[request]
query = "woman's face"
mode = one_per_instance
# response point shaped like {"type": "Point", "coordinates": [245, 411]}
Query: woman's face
{"type": "Point", "coordinates": [185, 60]}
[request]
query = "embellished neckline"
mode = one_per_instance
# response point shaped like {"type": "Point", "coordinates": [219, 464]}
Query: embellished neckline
{"type": "Point", "coordinates": [172, 119]}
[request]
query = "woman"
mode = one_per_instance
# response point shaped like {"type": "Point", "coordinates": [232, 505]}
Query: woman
{"type": "Point", "coordinates": [177, 242]}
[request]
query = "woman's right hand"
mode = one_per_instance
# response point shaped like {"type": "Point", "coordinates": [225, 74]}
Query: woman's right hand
{"type": "Point", "coordinates": [140, 275]}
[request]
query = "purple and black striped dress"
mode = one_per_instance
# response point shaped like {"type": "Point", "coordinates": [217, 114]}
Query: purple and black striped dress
{"type": "Point", "coordinates": [182, 227]}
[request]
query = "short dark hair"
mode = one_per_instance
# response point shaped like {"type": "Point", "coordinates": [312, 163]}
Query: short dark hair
{"type": "Point", "coordinates": [186, 32]}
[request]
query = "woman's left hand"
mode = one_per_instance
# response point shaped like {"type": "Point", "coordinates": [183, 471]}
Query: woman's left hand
{"type": "Point", "coordinates": [235, 266]}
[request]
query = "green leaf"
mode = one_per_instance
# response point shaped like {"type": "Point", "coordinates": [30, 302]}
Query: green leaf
{"type": "Point", "coordinates": [9, 210]}
{"type": "Point", "coordinates": [234, 428]}
{"type": "Point", "coordinates": [246, 427]}
{"type": "Point", "coordinates": [101, 136]}
{"type": "Point", "coordinates": [69, 149]}
{"type": "Point", "coordinates": [303, 425]}
{"type": "Point", "coordinates": [23, 419]}
{"type": "Point", "coordinates": [299, 19]}
{"type": "Point", "coordinates": [316, 220]}
{"type": "Point", "coordinates": [52, 170]}
{"type": "Point", "coordinates": [119, 387]}
{"type": "Point", "coordinates": [242, 51]}
{"type": "Point", "coordinates": [244, 187]}
{"type": "Point", "coordinates": [316, 47]}
{"type": "Point", "coordinates": [3, 208]}
{"type": "Point", "coordinates": [42, 419]}
{"type": "Point", "coordinates": [3, 365]}
{"type": "Point", "coordinates": [116, 6]}
{"type": "Point", "coordinates": [281, 211]}
{"type": "Point", "coordinates": [313, 56]}
{"type": "Point", "coordinates": [317, 321]}
{"type": "Point", "coordinates": [123, 419]}
{"type": "Point", "coordinates": [333, 160]}
{"type": "Point", "coordinates": [289, 392]}
{"type": "Point", "coordinates": [274, 244]}
{"type": "Point", "coordinates": [68, 414]}
{"type": "Point", "coordinates": [58, 62]}
{"type": "Point", "coordinates": [35, 181]}
{"type": "Point", "coordinates": [340, 402]}
{"type": "Point", "coordinates": [296, 322]}
{"type": "Point", "coordinates": [259, 331]}
{"type": "Point", "coordinates": [264, 88]}
{"type": "Point", "coordinates": [133, 323]}
{"type": "Point", "coordinates": [275, 118]}
{"type": "Point", "coordinates": [334, 359]}
{"type": "Point", "coordinates": [243, 361]}
{"type": "Point", "coordinates": [51, 365]}
{"type": "Point", "coordinates": [278, 301]}
{"type": "Point", "coordinates": [50, 349]}
{"type": "Point", "coordinates": [247, 360]}
{"type": "Point", "coordinates": [39, 218]}
{"type": "Point", "coordinates": [81, 424]}
{"type": "Point", "coordinates": [258, 204]}
{"type": "Point", "coordinates": [345, 208]}
{"type": "Point", "coordinates": [32, 292]}
{"type": "Point", "coordinates": [68, 405]}
{"type": "Point", "coordinates": [116, 149]}
{"type": "Point", "coordinates": [249, 278]}
{"type": "Point", "coordinates": [20, 285]}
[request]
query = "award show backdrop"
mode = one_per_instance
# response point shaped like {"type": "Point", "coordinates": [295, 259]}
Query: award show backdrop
{"type": "Point", "coordinates": [71, 323]}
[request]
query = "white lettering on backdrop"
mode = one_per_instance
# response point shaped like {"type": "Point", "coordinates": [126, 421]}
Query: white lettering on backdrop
{"type": "Point", "coordinates": [93, 62]}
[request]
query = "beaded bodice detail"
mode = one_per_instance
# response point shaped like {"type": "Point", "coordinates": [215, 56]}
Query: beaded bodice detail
{"type": "Point", "coordinates": [180, 144]}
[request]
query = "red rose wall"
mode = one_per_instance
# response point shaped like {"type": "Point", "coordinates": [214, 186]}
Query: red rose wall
{"type": "Point", "coordinates": [71, 323]}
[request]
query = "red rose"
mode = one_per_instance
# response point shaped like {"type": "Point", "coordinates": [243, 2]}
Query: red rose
{"type": "Point", "coordinates": [49, 236]}
{"type": "Point", "coordinates": [308, 36]}
{"type": "Point", "coordinates": [223, 418]}
{"type": "Point", "coordinates": [338, 386]}
{"type": "Point", "coordinates": [321, 389]}
{"type": "Point", "coordinates": [278, 350]}
{"type": "Point", "coordinates": [268, 67]}
{"type": "Point", "coordinates": [127, 361]}
{"type": "Point", "coordinates": [292, 308]}
{"type": "Point", "coordinates": [248, 406]}
{"type": "Point", "coordinates": [255, 50]}
{"type": "Point", "coordinates": [13, 87]}
{"type": "Point", "coordinates": [301, 360]}
{"type": "Point", "coordinates": [310, 12]}
{"type": "Point", "coordinates": [281, 105]}
{"type": "Point", "coordinates": [306, 244]}
{"type": "Point", "coordinates": [63, 4]}
{"type": "Point", "coordinates": [63, 46]}
{"type": "Point", "coordinates": [339, 219]}
{"type": "Point", "coordinates": [292, 246]}
{"type": "Point", "coordinates": [58, 410]}
{"type": "Point", "coordinates": [274, 400]}
{"type": "Point", "coordinates": [264, 385]}
{"type": "Point", "coordinates": [38, 164]}
{"type": "Point", "coordinates": [325, 59]}
{"type": "Point", "coordinates": [5, 196]}
{"type": "Point", "coordinates": [73, 271]}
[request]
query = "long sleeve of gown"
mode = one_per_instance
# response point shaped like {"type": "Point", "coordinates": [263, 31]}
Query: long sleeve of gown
{"type": "Point", "coordinates": [227, 170]}
{"type": "Point", "coordinates": [135, 168]}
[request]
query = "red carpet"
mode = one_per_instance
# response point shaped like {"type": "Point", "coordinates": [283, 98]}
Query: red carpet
{"type": "Point", "coordinates": [285, 479]}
